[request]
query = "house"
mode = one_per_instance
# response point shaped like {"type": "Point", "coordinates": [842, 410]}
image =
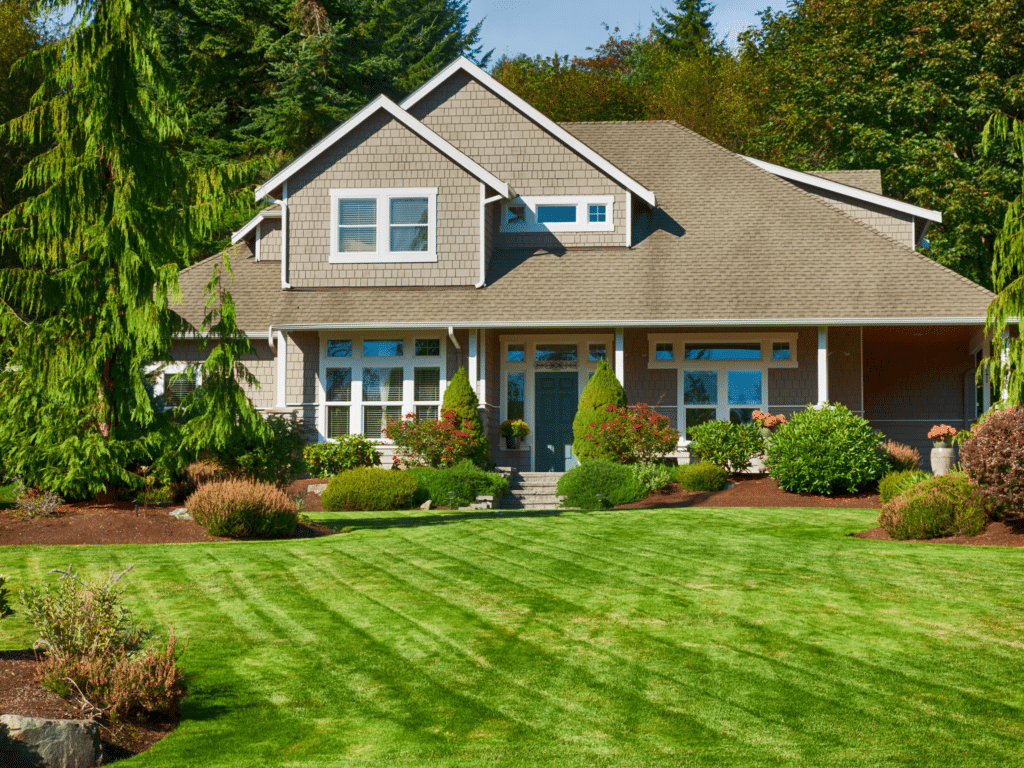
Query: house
{"type": "Point", "coordinates": [464, 228]}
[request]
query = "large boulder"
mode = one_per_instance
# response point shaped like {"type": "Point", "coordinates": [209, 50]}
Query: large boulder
{"type": "Point", "coordinates": [36, 742]}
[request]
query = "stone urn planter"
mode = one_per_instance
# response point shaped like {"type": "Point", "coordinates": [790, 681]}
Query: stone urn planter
{"type": "Point", "coordinates": [943, 458]}
{"type": "Point", "coordinates": [512, 442]}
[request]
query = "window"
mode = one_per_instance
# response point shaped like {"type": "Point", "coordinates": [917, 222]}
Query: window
{"type": "Point", "coordinates": [780, 350]}
{"type": "Point", "coordinates": [515, 407]}
{"type": "Point", "coordinates": [428, 347]}
{"type": "Point", "coordinates": [386, 348]}
{"type": "Point", "coordinates": [598, 352]}
{"type": "Point", "coordinates": [516, 353]}
{"type": "Point", "coordinates": [663, 351]}
{"type": "Point", "coordinates": [177, 386]}
{"type": "Point", "coordinates": [383, 225]}
{"type": "Point", "coordinates": [550, 353]}
{"type": "Point", "coordinates": [735, 351]}
{"type": "Point", "coordinates": [339, 389]}
{"type": "Point", "coordinates": [339, 348]}
{"type": "Point", "coordinates": [566, 213]}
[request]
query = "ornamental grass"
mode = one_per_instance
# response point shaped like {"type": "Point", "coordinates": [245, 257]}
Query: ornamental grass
{"type": "Point", "coordinates": [243, 509]}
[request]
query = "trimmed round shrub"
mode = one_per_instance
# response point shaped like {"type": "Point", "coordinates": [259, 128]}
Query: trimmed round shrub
{"type": "Point", "coordinates": [993, 457]}
{"type": "Point", "coordinates": [703, 476]}
{"type": "Point", "coordinates": [825, 450]}
{"type": "Point", "coordinates": [901, 457]}
{"type": "Point", "coordinates": [601, 391]}
{"type": "Point", "coordinates": [895, 483]}
{"type": "Point", "coordinates": [335, 456]}
{"type": "Point", "coordinates": [243, 509]}
{"type": "Point", "coordinates": [582, 484]}
{"type": "Point", "coordinates": [460, 397]}
{"type": "Point", "coordinates": [370, 489]}
{"type": "Point", "coordinates": [465, 480]}
{"type": "Point", "coordinates": [949, 505]}
{"type": "Point", "coordinates": [730, 446]}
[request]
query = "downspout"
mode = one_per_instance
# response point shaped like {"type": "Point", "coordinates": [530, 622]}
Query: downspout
{"type": "Point", "coordinates": [451, 335]}
{"type": "Point", "coordinates": [285, 285]}
{"type": "Point", "coordinates": [484, 202]}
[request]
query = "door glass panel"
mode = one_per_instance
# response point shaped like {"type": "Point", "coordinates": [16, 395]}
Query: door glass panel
{"type": "Point", "coordinates": [724, 351]}
{"type": "Point", "coordinates": [382, 385]}
{"type": "Point", "coordinates": [339, 384]}
{"type": "Point", "coordinates": [744, 387]}
{"type": "Point", "coordinates": [515, 395]}
{"type": "Point", "coordinates": [556, 352]}
{"type": "Point", "coordinates": [700, 387]}
{"type": "Point", "coordinates": [695, 416]}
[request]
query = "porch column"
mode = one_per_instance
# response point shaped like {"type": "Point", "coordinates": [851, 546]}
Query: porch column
{"type": "Point", "coordinates": [620, 357]}
{"type": "Point", "coordinates": [1004, 364]}
{"type": "Point", "coordinates": [471, 364]}
{"type": "Point", "coordinates": [281, 376]}
{"type": "Point", "coordinates": [986, 385]}
{"type": "Point", "coordinates": [822, 365]}
{"type": "Point", "coordinates": [482, 364]}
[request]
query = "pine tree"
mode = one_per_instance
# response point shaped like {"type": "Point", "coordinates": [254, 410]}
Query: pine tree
{"type": "Point", "coordinates": [687, 31]}
{"type": "Point", "coordinates": [111, 215]}
{"type": "Point", "coordinates": [460, 397]}
{"type": "Point", "coordinates": [602, 390]}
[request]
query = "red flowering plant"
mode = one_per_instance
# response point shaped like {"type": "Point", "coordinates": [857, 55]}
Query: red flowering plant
{"type": "Point", "coordinates": [766, 420]}
{"type": "Point", "coordinates": [638, 434]}
{"type": "Point", "coordinates": [430, 442]}
{"type": "Point", "coordinates": [941, 434]}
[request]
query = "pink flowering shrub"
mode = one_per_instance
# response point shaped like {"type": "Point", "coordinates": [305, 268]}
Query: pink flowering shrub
{"type": "Point", "coordinates": [636, 434]}
{"type": "Point", "coordinates": [426, 442]}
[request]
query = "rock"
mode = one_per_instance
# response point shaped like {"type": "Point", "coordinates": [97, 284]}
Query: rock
{"type": "Point", "coordinates": [317, 489]}
{"type": "Point", "coordinates": [428, 504]}
{"type": "Point", "coordinates": [181, 514]}
{"type": "Point", "coordinates": [36, 742]}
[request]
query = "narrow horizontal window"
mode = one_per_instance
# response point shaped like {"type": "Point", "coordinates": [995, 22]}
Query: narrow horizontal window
{"type": "Point", "coordinates": [516, 353]}
{"type": "Point", "coordinates": [339, 348]}
{"type": "Point", "coordinates": [724, 351]}
{"type": "Point", "coordinates": [338, 420]}
{"type": "Point", "coordinates": [663, 352]}
{"type": "Point", "coordinates": [382, 385]}
{"type": "Point", "coordinates": [428, 347]}
{"type": "Point", "coordinates": [383, 348]}
{"type": "Point", "coordinates": [556, 214]}
{"type": "Point", "coordinates": [339, 385]}
{"type": "Point", "coordinates": [597, 352]}
{"type": "Point", "coordinates": [556, 352]}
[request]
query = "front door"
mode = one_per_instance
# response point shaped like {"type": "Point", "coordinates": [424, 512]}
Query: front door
{"type": "Point", "coordinates": [557, 398]}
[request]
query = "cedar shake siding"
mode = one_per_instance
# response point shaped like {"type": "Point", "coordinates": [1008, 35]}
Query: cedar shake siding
{"type": "Point", "coordinates": [896, 224]}
{"type": "Point", "coordinates": [260, 364]}
{"type": "Point", "coordinates": [270, 240]}
{"type": "Point", "coordinates": [520, 153]}
{"type": "Point", "coordinates": [383, 153]}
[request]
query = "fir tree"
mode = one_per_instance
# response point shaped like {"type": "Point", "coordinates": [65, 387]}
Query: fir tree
{"type": "Point", "coordinates": [460, 397]}
{"type": "Point", "coordinates": [110, 216]}
{"type": "Point", "coordinates": [602, 390]}
{"type": "Point", "coordinates": [688, 30]}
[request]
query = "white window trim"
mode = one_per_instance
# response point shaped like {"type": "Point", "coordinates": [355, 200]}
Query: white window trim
{"type": "Point", "coordinates": [174, 369]}
{"type": "Point", "coordinates": [383, 254]}
{"type": "Point", "coordinates": [528, 367]}
{"type": "Point", "coordinates": [582, 223]}
{"type": "Point", "coordinates": [408, 362]}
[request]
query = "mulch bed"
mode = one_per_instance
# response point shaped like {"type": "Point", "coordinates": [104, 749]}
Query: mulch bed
{"type": "Point", "coordinates": [750, 491]}
{"type": "Point", "coordinates": [1006, 533]}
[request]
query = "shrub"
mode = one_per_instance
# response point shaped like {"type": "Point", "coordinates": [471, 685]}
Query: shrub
{"type": "Point", "coordinates": [825, 450]}
{"type": "Point", "coordinates": [614, 482]}
{"type": "Point", "coordinates": [79, 619]}
{"type": "Point", "coordinates": [901, 457]}
{"type": "Point", "coordinates": [196, 474]}
{"type": "Point", "coordinates": [274, 458]}
{"type": "Point", "coordinates": [651, 476]}
{"type": "Point", "coordinates": [703, 476]}
{"type": "Point", "coordinates": [939, 506]}
{"type": "Point", "coordinates": [634, 434]}
{"type": "Point", "coordinates": [36, 502]}
{"type": "Point", "coordinates": [602, 390]}
{"type": "Point", "coordinates": [120, 684]}
{"type": "Point", "coordinates": [243, 509]}
{"type": "Point", "coordinates": [993, 457]}
{"type": "Point", "coordinates": [345, 452]}
{"type": "Point", "coordinates": [5, 602]}
{"type": "Point", "coordinates": [465, 480]}
{"type": "Point", "coordinates": [460, 397]}
{"type": "Point", "coordinates": [370, 488]}
{"type": "Point", "coordinates": [433, 443]}
{"type": "Point", "coordinates": [895, 483]}
{"type": "Point", "coordinates": [730, 446]}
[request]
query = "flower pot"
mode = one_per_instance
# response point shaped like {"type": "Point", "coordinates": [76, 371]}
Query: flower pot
{"type": "Point", "coordinates": [512, 442]}
{"type": "Point", "coordinates": [942, 460]}
{"type": "Point", "coordinates": [767, 432]}
{"type": "Point", "coordinates": [946, 442]}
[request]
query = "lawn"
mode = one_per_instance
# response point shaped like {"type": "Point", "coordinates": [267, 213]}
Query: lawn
{"type": "Point", "coordinates": [711, 637]}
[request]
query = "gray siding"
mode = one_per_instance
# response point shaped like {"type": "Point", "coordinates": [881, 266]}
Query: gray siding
{"type": "Point", "coordinates": [898, 226]}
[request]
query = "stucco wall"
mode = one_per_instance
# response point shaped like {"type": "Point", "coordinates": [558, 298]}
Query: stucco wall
{"type": "Point", "coordinates": [518, 152]}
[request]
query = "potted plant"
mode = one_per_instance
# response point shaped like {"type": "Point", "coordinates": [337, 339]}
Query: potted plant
{"type": "Point", "coordinates": [767, 422]}
{"type": "Point", "coordinates": [513, 430]}
{"type": "Point", "coordinates": [942, 457]}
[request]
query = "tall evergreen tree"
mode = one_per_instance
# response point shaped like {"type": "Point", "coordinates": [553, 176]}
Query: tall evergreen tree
{"type": "Point", "coordinates": [686, 31]}
{"type": "Point", "coordinates": [460, 397]}
{"type": "Point", "coordinates": [111, 215]}
{"type": "Point", "coordinates": [602, 390]}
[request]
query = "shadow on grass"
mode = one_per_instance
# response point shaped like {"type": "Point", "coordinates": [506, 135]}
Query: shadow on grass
{"type": "Point", "coordinates": [442, 519]}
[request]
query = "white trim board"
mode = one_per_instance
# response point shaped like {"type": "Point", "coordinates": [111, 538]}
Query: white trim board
{"type": "Point", "coordinates": [410, 122]}
{"type": "Point", "coordinates": [255, 221]}
{"type": "Point", "coordinates": [845, 189]}
{"type": "Point", "coordinates": [462, 64]}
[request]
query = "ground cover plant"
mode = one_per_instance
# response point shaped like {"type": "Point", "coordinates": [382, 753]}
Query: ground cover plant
{"type": "Point", "coordinates": [724, 637]}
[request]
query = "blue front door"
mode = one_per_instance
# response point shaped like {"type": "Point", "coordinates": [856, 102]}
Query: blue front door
{"type": "Point", "coordinates": [557, 398]}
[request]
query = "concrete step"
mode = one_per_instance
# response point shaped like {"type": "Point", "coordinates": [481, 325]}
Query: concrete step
{"type": "Point", "coordinates": [528, 501]}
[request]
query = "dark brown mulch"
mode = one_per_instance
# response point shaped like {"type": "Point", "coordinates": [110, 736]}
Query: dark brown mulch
{"type": "Point", "coordinates": [116, 523]}
{"type": "Point", "coordinates": [310, 501]}
{"type": "Point", "coordinates": [21, 694]}
{"type": "Point", "coordinates": [750, 491]}
{"type": "Point", "coordinates": [1006, 533]}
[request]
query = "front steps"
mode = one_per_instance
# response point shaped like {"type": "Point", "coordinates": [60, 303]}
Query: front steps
{"type": "Point", "coordinates": [530, 490]}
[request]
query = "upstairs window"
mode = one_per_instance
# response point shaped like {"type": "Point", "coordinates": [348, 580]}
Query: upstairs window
{"type": "Point", "coordinates": [383, 225]}
{"type": "Point", "coordinates": [567, 213]}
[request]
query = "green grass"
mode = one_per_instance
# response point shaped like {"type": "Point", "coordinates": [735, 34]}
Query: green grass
{"type": "Point", "coordinates": [717, 637]}
{"type": "Point", "coordinates": [6, 496]}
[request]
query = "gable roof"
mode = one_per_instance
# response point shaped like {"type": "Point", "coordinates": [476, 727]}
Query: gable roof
{"type": "Point", "coordinates": [462, 64]}
{"type": "Point", "coordinates": [410, 122]}
{"type": "Point", "coordinates": [251, 224]}
{"type": "Point", "coordinates": [869, 181]}
{"type": "Point", "coordinates": [844, 189]}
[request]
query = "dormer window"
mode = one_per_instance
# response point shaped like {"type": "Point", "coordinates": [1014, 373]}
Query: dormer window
{"type": "Point", "coordinates": [383, 225]}
{"type": "Point", "coordinates": [570, 213]}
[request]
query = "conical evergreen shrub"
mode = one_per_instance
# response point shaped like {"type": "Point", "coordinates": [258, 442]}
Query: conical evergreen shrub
{"type": "Point", "coordinates": [460, 397]}
{"type": "Point", "coordinates": [602, 390]}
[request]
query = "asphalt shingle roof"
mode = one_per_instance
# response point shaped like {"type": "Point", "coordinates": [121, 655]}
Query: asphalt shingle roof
{"type": "Point", "coordinates": [730, 242]}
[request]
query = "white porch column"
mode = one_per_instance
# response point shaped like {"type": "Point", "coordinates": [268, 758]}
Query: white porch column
{"type": "Point", "coordinates": [1004, 364]}
{"type": "Point", "coordinates": [471, 366]}
{"type": "Point", "coordinates": [281, 375]}
{"type": "Point", "coordinates": [481, 393]}
{"type": "Point", "coordinates": [822, 364]}
{"type": "Point", "coordinates": [986, 378]}
{"type": "Point", "coordinates": [620, 357]}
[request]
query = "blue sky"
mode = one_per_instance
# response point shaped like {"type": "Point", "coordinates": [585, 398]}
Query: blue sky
{"type": "Point", "coordinates": [544, 26]}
